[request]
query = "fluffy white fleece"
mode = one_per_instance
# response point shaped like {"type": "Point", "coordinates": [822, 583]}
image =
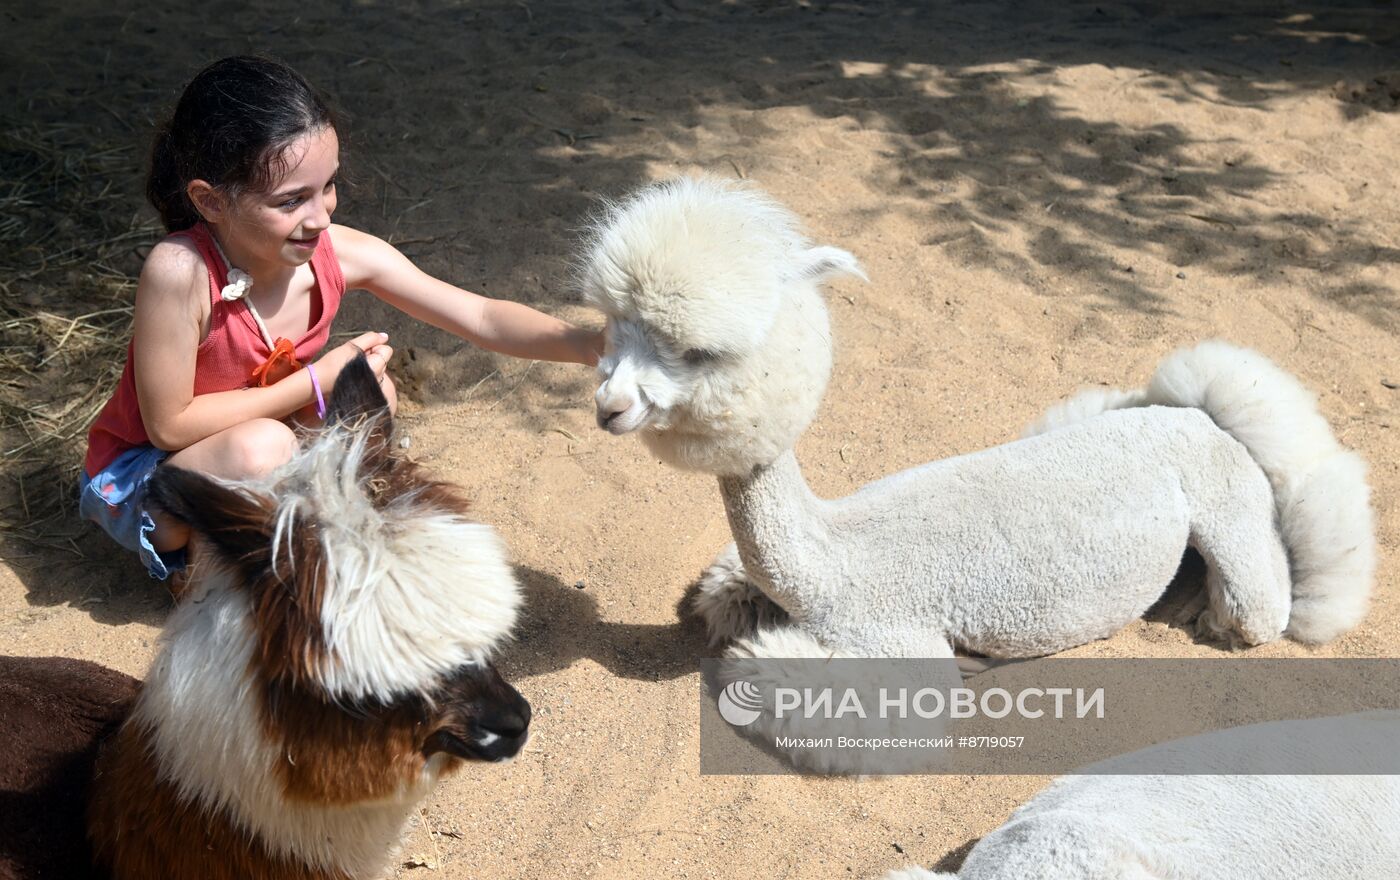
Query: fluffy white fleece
{"type": "Point", "coordinates": [1320, 488]}
{"type": "Point", "coordinates": [721, 387]}
{"type": "Point", "coordinates": [1205, 827]}
{"type": "Point", "coordinates": [719, 351]}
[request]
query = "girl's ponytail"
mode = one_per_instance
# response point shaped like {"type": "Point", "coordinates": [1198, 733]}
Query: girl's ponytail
{"type": "Point", "coordinates": [165, 186]}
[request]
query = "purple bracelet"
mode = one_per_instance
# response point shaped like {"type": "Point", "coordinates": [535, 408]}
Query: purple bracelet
{"type": "Point", "coordinates": [320, 399]}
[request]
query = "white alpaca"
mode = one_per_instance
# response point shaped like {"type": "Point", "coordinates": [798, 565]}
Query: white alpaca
{"type": "Point", "coordinates": [1202, 827]}
{"type": "Point", "coordinates": [719, 352]}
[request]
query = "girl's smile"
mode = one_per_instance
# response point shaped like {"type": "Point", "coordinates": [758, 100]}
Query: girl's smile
{"type": "Point", "coordinates": [306, 244]}
{"type": "Point", "coordinates": [299, 205]}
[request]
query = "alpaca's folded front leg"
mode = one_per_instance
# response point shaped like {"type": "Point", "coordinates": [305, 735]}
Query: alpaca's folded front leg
{"type": "Point", "coordinates": [787, 658]}
{"type": "Point", "coordinates": [909, 642]}
{"type": "Point", "coordinates": [730, 604]}
{"type": "Point", "coordinates": [1188, 612]}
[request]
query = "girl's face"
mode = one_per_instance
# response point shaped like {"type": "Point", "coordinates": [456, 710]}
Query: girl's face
{"type": "Point", "coordinates": [284, 223]}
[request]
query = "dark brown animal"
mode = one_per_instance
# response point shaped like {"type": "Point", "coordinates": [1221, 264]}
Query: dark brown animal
{"type": "Point", "coordinates": [54, 712]}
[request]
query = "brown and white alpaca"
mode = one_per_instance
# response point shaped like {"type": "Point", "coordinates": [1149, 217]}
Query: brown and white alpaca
{"type": "Point", "coordinates": [328, 663]}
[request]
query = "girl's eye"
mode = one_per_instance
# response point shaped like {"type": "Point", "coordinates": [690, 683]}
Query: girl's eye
{"type": "Point", "coordinates": [330, 184]}
{"type": "Point", "coordinates": [291, 203]}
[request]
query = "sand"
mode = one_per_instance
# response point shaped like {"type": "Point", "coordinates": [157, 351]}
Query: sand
{"type": "Point", "coordinates": [1045, 196]}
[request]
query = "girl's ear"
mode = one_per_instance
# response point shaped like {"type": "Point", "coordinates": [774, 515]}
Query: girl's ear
{"type": "Point", "coordinates": [208, 201]}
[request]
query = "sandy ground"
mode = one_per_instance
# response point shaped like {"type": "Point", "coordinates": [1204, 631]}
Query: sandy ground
{"type": "Point", "coordinates": [1045, 195]}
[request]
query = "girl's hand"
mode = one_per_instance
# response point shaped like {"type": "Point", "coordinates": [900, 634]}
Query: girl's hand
{"type": "Point", "coordinates": [375, 348]}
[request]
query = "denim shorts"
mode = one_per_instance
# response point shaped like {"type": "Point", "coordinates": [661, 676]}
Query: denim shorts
{"type": "Point", "coordinates": [115, 499]}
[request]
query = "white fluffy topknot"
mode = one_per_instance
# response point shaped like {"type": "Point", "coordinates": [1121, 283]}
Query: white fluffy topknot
{"type": "Point", "coordinates": [725, 287]}
{"type": "Point", "coordinates": [684, 256]}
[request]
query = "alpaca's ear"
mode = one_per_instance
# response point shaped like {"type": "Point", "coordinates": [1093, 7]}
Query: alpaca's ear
{"type": "Point", "coordinates": [358, 403]}
{"type": "Point", "coordinates": [237, 523]}
{"type": "Point", "coordinates": [821, 263]}
{"type": "Point", "coordinates": [356, 394]}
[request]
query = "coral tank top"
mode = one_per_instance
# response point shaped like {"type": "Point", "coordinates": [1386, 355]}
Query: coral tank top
{"type": "Point", "coordinates": [227, 357]}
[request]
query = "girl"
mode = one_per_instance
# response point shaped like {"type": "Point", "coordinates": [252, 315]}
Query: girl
{"type": "Point", "coordinates": [235, 305]}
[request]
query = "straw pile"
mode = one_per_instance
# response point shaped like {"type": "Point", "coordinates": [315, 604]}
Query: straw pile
{"type": "Point", "coordinates": [71, 245]}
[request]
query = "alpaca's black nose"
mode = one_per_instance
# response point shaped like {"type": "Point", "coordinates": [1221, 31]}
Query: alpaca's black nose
{"type": "Point", "coordinates": [507, 720]}
{"type": "Point", "coordinates": [500, 728]}
{"type": "Point", "coordinates": [482, 717]}
{"type": "Point", "coordinates": [499, 721]}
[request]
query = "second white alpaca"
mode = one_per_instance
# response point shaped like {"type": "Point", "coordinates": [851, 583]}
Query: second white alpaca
{"type": "Point", "coordinates": [718, 354]}
{"type": "Point", "coordinates": [1205, 820]}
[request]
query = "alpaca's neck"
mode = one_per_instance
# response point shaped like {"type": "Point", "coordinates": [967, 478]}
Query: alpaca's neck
{"type": "Point", "coordinates": [781, 531]}
{"type": "Point", "coordinates": [201, 730]}
{"type": "Point", "coordinates": [143, 825]}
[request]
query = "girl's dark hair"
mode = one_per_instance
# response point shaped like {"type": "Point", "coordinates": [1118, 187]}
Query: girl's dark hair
{"type": "Point", "coordinates": [231, 128]}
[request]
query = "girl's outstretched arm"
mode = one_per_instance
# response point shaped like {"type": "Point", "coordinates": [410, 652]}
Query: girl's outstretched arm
{"type": "Point", "coordinates": [172, 299]}
{"type": "Point", "coordinates": [498, 325]}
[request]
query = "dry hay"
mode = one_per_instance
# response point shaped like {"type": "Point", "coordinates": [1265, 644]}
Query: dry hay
{"type": "Point", "coordinates": [71, 245]}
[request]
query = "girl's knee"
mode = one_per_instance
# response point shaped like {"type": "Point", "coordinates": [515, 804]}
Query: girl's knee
{"type": "Point", "coordinates": [258, 447]}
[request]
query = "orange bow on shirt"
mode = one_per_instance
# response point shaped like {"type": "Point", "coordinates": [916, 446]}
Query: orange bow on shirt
{"type": "Point", "coordinates": [280, 364]}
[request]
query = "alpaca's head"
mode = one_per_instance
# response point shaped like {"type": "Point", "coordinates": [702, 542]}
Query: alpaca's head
{"type": "Point", "coordinates": [339, 624]}
{"type": "Point", "coordinates": [718, 343]}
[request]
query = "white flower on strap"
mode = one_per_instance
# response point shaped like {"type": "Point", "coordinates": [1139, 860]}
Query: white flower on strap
{"type": "Point", "coordinates": [239, 283]}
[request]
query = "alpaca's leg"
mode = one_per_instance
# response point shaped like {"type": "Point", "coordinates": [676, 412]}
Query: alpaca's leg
{"type": "Point", "coordinates": [1247, 577]}
{"type": "Point", "coordinates": [913, 872]}
{"type": "Point", "coordinates": [1191, 608]}
{"type": "Point", "coordinates": [788, 657]}
{"type": "Point", "coordinates": [1056, 864]}
{"type": "Point", "coordinates": [782, 642]}
{"type": "Point", "coordinates": [732, 607]}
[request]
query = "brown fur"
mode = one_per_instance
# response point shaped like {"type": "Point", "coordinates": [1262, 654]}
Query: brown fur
{"type": "Point", "coordinates": [341, 755]}
{"type": "Point", "coordinates": [54, 714]}
{"type": "Point", "coordinates": [390, 479]}
{"type": "Point", "coordinates": [141, 829]}
{"type": "Point", "coordinates": [287, 603]}
{"type": "Point", "coordinates": [287, 614]}
{"type": "Point", "coordinates": [335, 757]}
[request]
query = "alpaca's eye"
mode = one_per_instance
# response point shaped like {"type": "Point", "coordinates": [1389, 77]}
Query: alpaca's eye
{"type": "Point", "coordinates": [697, 356]}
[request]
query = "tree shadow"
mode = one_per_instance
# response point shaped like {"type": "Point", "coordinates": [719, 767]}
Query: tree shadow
{"type": "Point", "coordinates": [530, 112]}
{"type": "Point", "coordinates": [483, 136]}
